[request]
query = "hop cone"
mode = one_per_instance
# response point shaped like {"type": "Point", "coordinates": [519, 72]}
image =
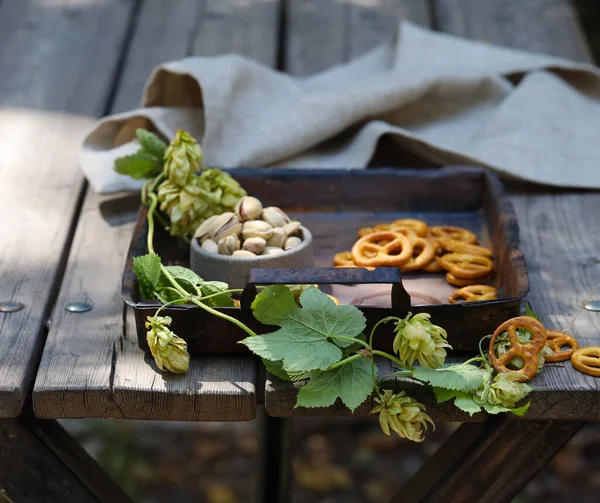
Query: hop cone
{"type": "Point", "coordinates": [183, 159]}
{"type": "Point", "coordinates": [211, 193]}
{"type": "Point", "coordinates": [419, 339]}
{"type": "Point", "coordinates": [169, 350]}
{"type": "Point", "coordinates": [402, 414]}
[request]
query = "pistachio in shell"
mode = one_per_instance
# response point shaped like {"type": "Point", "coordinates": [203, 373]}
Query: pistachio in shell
{"type": "Point", "coordinates": [228, 244]}
{"type": "Point", "coordinates": [277, 238]}
{"type": "Point", "coordinates": [226, 227]}
{"type": "Point", "coordinates": [272, 250]}
{"type": "Point", "coordinates": [210, 246]}
{"type": "Point", "coordinates": [292, 242]}
{"type": "Point", "coordinates": [248, 208]}
{"type": "Point", "coordinates": [255, 245]}
{"type": "Point", "coordinates": [292, 228]}
{"type": "Point", "coordinates": [257, 229]}
{"type": "Point", "coordinates": [204, 230]}
{"type": "Point", "coordinates": [243, 253]}
{"type": "Point", "coordinates": [274, 216]}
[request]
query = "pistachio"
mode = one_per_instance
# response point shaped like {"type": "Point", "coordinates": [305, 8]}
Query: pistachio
{"type": "Point", "coordinates": [248, 208]}
{"type": "Point", "coordinates": [229, 244]}
{"type": "Point", "coordinates": [291, 242]}
{"type": "Point", "coordinates": [277, 238]}
{"type": "Point", "coordinates": [226, 227]}
{"type": "Point", "coordinates": [242, 253]}
{"type": "Point", "coordinates": [257, 229]}
{"type": "Point", "coordinates": [274, 216]}
{"type": "Point", "coordinates": [204, 230]}
{"type": "Point", "coordinates": [210, 246]}
{"type": "Point", "coordinates": [291, 229]}
{"type": "Point", "coordinates": [255, 245]}
{"type": "Point", "coordinates": [272, 250]}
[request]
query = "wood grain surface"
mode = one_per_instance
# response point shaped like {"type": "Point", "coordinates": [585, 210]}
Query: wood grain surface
{"type": "Point", "coordinates": [92, 366]}
{"type": "Point", "coordinates": [44, 113]}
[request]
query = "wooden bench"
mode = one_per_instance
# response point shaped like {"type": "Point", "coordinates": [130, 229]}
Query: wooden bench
{"type": "Point", "coordinates": [63, 65]}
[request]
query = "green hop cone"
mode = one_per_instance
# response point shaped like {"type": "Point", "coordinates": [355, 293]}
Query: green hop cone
{"type": "Point", "coordinates": [184, 206]}
{"type": "Point", "coordinates": [419, 339]}
{"type": "Point", "coordinates": [169, 350]}
{"type": "Point", "coordinates": [221, 189]}
{"type": "Point", "coordinates": [182, 159]}
{"type": "Point", "coordinates": [402, 414]}
{"type": "Point", "coordinates": [506, 391]}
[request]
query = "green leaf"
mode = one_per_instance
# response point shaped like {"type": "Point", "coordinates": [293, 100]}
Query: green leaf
{"type": "Point", "coordinates": [147, 271]}
{"type": "Point", "coordinates": [495, 409]}
{"type": "Point", "coordinates": [529, 312]}
{"type": "Point", "coordinates": [215, 287]}
{"type": "Point", "coordinates": [139, 165]}
{"type": "Point", "coordinates": [352, 383]}
{"type": "Point", "coordinates": [151, 143]}
{"type": "Point", "coordinates": [463, 401]}
{"type": "Point", "coordinates": [520, 411]}
{"type": "Point", "coordinates": [276, 368]}
{"type": "Point", "coordinates": [466, 403]}
{"type": "Point", "coordinates": [305, 340]}
{"type": "Point", "coordinates": [453, 377]}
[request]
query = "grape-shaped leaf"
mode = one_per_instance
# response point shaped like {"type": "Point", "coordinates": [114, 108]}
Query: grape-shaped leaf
{"type": "Point", "coordinates": [351, 382]}
{"type": "Point", "coordinates": [454, 377]}
{"type": "Point", "coordinates": [306, 338]}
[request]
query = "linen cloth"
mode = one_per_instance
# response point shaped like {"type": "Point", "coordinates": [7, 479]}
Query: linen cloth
{"type": "Point", "coordinates": [442, 98]}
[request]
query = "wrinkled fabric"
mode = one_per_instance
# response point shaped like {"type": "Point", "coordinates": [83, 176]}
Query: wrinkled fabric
{"type": "Point", "coordinates": [441, 98]}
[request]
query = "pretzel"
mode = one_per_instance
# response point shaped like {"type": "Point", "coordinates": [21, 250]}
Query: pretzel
{"type": "Point", "coordinates": [343, 259]}
{"type": "Point", "coordinates": [456, 233]}
{"type": "Point", "coordinates": [527, 352]}
{"type": "Point", "coordinates": [402, 229]}
{"type": "Point", "coordinates": [473, 293]}
{"type": "Point", "coordinates": [556, 340]}
{"type": "Point", "coordinates": [335, 300]}
{"type": "Point", "coordinates": [365, 231]}
{"type": "Point", "coordinates": [418, 226]}
{"type": "Point", "coordinates": [369, 250]}
{"type": "Point", "coordinates": [461, 282]}
{"type": "Point", "coordinates": [433, 266]}
{"type": "Point", "coordinates": [423, 254]}
{"type": "Point", "coordinates": [454, 246]}
{"type": "Point", "coordinates": [466, 266]}
{"type": "Point", "coordinates": [587, 360]}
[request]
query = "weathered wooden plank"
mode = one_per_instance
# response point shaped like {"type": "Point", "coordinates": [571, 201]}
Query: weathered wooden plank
{"type": "Point", "coordinates": [549, 26]}
{"type": "Point", "coordinates": [322, 33]}
{"type": "Point", "coordinates": [168, 30]}
{"type": "Point", "coordinates": [39, 461]}
{"type": "Point", "coordinates": [489, 462]}
{"type": "Point", "coordinates": [104, 373]}
{"type": "Point", "coordinates": [49, 96]}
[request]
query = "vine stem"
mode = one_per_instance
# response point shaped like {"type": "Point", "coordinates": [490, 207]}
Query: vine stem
{"type": "Point", "coordinates": [345, 360]}
{"type": "Point", "coordinates": [380, 322]}
{"type": "Point", "coordinates": [350, 339]}
{"type": "Point", "coordinates": [173, 281]}
{"type": "Point", "coordinates": [391, 358]}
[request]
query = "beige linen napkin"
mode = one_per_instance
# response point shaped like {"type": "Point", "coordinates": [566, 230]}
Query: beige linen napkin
{"type": "Point", "coordinates": [446, 99]}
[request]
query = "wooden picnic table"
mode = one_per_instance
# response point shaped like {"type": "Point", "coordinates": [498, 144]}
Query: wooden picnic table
{"type": "Point", "coordinates": [63, 65]}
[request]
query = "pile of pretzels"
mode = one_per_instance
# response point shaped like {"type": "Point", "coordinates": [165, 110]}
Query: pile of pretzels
{"type": "Point", "coordinates": [411, 245]}
{"type": "Point", "coordinates": [564, 347]}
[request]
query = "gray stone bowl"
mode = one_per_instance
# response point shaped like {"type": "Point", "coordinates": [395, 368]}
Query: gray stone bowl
{"type": "Point", "coordinates": [235, 270]}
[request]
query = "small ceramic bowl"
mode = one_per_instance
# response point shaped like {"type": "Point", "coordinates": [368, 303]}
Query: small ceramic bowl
{"type": "Point", "coordinates": [235, 270]}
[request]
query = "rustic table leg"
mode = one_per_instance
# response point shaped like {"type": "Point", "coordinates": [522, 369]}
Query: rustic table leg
{"type": "Point", "coordinates": [275, 476]}
{"type": "Point", "coordinates": [487, 462]}
{"type": "Point", "coordinates": [39, 461]}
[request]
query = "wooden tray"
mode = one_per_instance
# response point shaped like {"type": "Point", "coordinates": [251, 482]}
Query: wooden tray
{"type": "Point", "coordinates": [334, 204]}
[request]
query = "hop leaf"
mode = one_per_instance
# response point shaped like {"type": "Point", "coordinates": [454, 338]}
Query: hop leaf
{"type": "Point", "coordinates": [352, 383]}
{"type": "Point", "coordinates": [151, 143]}
{"type": "Point", "coordinates": [306, 340]}
{"type": "Point", "coordinates": [147, 271]}
{"type": "Point", "coordinates": [169, 350]}
{"type": "Point", "coordinates": [138, 166]}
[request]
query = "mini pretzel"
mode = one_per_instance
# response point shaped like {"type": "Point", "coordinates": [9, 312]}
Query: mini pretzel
{"type": "Point", "coordinates": [369, 250]}
{"type": "Point", "coordinates": [587, 360]}
{"type": "Point", "coordinates": [473, 293]}
{"type": "Point", "coordinates": [423, 254]}
{"type": "Point", "coordinates": [466, 266]}
{"type": "Point", "coordinates": [407, 231]}
{"type": "Point", "coordinates": [528, 352]}
{"type": "Point", "coordinates": [343, 259]}
{"type": "Point", "coordinates": [556, 340]}
{"type": "Point", "coordinates": [456, 233]}
{"type": "Point", "coordinates": [461, 282]}
{"type": "Point", "coordinates": [433, 266]}
{"type": "Point", "coordinates": [454, 246]}
{"type": "Point", "coordinates": [335, 300]}
{"type": "Point", "coordinates": [418, 226]}
{"type": "Point", "coordinates": [365, 231]}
